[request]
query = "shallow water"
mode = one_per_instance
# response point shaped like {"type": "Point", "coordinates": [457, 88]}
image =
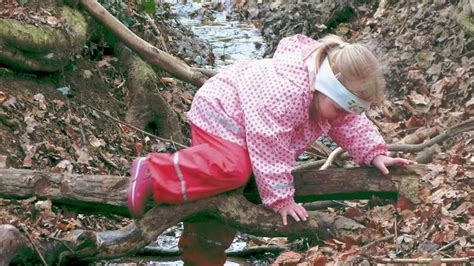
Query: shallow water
{"type": "Point", "coordinates": [231, 40]}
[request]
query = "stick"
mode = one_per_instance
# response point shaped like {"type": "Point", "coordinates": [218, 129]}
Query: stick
{"type": "Point", "coordinates": [311, 165]}
{"type": "Point", "coordinates": [397, 248]}
{"type": "Point", "coordinates": [334, 154]}
{"type": "Point", "coordinates": [452, 243]}
{"type": "Point", "coordinates": [134, 127]}
{"type": "Point", "coordinates": [364, 248]}
{"type": "Point", "coordinates": [153, 24]}
{"type": "Point", "coordinates": [148, 52]}
{"type": "Point", "coordinates": [33, 244]}
{"type": "Point", "coordinates": [424, 260]}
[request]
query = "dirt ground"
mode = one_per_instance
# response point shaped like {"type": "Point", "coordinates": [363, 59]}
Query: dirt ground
{"type": "Point", "coordinates": [61, 122]}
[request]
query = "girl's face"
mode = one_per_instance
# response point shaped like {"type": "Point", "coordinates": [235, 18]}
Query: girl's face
{"type": "Point", "coordinates": [323, 107]}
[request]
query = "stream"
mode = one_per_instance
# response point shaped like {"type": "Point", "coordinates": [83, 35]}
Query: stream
{"type": "Point", "coordinates": [231, 41]}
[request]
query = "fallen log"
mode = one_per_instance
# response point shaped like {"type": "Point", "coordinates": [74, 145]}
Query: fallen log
{"type": "Point", "coordinates": [103, 191]}
{"type": "Point", "coordinates": [233, 207]}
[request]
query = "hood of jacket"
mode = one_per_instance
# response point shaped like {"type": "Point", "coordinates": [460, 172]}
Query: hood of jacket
{"type": "Point", "coordinates": [290, 56]}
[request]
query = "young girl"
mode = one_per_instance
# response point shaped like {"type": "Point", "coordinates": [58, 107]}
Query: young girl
{"type": "Point", "coordinates": [259, 116]}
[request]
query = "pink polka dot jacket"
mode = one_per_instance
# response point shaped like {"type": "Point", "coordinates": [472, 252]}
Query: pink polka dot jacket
{"type": "Point", "coordinates": [263, 105]}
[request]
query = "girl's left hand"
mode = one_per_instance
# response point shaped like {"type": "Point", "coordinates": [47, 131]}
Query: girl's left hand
{"type": "Point", "coordinates": [381, 162]}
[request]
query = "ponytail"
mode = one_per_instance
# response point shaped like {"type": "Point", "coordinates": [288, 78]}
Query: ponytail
{"type": "Point", "coordinates": [359, 71]}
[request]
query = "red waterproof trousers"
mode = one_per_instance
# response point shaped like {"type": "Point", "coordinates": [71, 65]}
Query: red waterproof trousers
{"type": "Point", "coordinates": [210, 166]}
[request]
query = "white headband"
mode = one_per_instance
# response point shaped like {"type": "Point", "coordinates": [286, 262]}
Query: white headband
{"type": "Point", "coordinates": [327, 83]}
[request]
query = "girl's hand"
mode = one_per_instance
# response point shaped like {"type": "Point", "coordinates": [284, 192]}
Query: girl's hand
{"type": "Point", "coordinates": [297, 211]}
{"type": "Point", "coordinates": [381, 162]}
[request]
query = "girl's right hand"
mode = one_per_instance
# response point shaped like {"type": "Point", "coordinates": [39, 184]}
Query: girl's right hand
{"type": "Point", "coordinates": [295, 210]}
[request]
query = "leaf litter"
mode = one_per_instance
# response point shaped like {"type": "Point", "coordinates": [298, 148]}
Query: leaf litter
{"type": "Point", "coordinates": [433, 87]}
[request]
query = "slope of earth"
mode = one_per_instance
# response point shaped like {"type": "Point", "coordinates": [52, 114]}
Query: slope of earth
{"type": "Point", "coordinates": [428, 63]}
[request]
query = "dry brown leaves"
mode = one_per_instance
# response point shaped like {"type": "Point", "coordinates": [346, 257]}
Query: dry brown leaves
{"type": "Point", "coordinates": [39, 16]}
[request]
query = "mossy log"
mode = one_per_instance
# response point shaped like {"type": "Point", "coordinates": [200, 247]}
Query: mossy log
{"type": "Point", "coordinates": [41, 47]}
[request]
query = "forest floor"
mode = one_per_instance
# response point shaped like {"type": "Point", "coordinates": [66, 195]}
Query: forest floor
{"type": "Point", "coordinates": [56, 122]}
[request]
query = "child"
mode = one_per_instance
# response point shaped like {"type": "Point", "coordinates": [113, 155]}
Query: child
{"type": "Point", "coordinates": [258, 116]}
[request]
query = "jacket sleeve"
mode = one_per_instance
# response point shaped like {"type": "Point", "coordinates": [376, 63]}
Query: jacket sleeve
{"type": "Point", "coordinates": [359, 137]}
{"type": "Point", "coordinates": [269, 135]}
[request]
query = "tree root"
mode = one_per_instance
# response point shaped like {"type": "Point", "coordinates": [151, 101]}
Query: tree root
{"type": "Point", "coordinates": [148, 106]}
{"type": "Point", "coordinates": [42, 48]}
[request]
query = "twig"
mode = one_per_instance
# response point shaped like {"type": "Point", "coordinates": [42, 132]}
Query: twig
{"type": "Point", "coordinates": [134, 127]}
{"type": "Point", "coordinates": [334, 154]}
{"type": "Point", "coordinates": [63, 242]}
{"type": "Point", "coordinates": [311, 165]}
{"type": "Point", "coordinates": [424, 260]}
{"type": "Point", "coordinates": [322, 149]}
{"type": "Point", "coordinates": [374, 122]}
{"type": "Point", "coordinates": [83, 134]}
{"type": "Point", "coordinates": [397, 248]}
{"type": "Point", "coordinates": [107, 160]}
{"type": "Point", "coordinates": [402, 28]}
{"type": "Point", "coordinates": [341, 203]}
{"type": "Point", "coordinates": [160, 36]}
{"type": "Point", "coordinates": [33, 244]}
{"type": "Point", "coordinates": [452, 243]}
{"type": "Point", "coordinates": [364, 248]}
{"type": "Point", "coordinates": [173, 143]}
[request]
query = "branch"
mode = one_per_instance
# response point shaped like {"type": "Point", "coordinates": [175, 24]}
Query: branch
{"type": "Point", "coordinates": [110, 192]}
{"type": "Point", "coordinates": [148, 52]}
{"type": "Point", "coordinates": [232, 208]}
{"type": "Point", "coordinates": [462, 127]}
{"type": "Point", "coordinates": [332, 156]}
{"type": "Point", "coordinates": [465, 126]}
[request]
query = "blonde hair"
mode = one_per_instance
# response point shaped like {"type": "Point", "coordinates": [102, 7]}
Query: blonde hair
{"type": "Point", "coordinates": [360, 71]}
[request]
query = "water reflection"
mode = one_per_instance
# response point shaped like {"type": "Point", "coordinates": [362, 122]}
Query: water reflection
{"type": "Point", "coordinates": [231, 40]}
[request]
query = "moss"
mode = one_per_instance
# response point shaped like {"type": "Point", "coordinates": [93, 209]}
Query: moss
{"type": "Point", "coordinates": [142, 69]}
{"type": "Point", "coordinates": [41, 39]}
{"type": "Point", "coordinates": [42, 48]}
